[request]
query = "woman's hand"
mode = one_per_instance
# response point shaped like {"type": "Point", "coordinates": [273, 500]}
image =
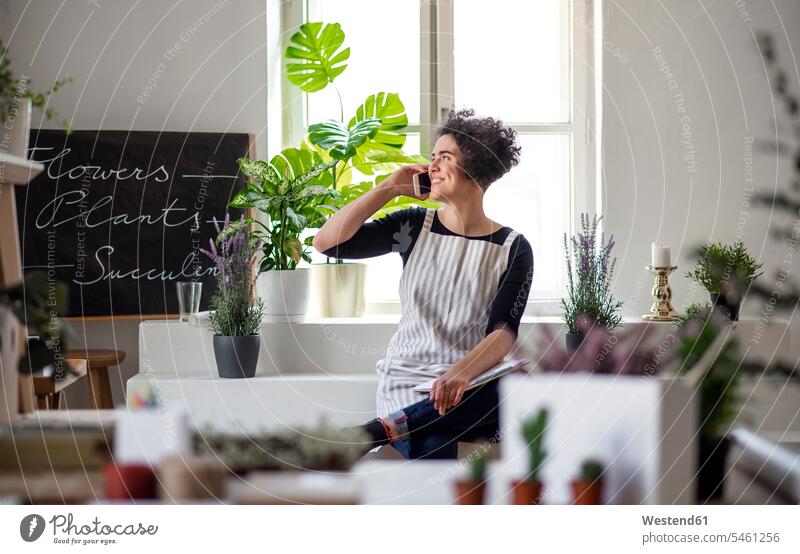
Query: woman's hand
{"type": "Point", "coordinates": [401, 182]}
{"type": "Point", "coordinates": [448, 389]}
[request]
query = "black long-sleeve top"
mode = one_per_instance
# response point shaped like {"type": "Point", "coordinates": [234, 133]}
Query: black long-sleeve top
{"type": "Point", "coordinates": [398, 232]}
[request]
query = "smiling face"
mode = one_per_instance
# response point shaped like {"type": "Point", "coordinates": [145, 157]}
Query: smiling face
{"type": "Point", "coordinates": [446, 171]}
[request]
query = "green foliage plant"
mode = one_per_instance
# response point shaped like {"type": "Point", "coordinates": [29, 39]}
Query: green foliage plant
{"type": "Point", "coordinates": [718, 389]}
{"type": "Point", "coordinates": [725, 269]}
{"type": "Point", "coordinates": [291, 191]}
{"type": "Point", "coordinates": [37, 302]}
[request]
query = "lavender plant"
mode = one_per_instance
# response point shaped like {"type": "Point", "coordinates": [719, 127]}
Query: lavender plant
{"type": "Point", "coordinates": [234, 312]}
{"type": "Point", "coordinates": [590, 269]}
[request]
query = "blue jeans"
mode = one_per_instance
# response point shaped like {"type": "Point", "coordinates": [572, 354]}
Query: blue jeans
{"type": "Point", "coordinates": [435, 437]}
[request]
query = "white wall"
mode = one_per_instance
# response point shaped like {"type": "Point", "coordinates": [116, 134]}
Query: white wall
{"type": "Point", "coordinates": [215, 80]}
{"type": "Point", "coordinates": [653, 190]}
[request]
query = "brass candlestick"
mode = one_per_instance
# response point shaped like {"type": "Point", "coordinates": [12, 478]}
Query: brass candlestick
{"type": "Point", "coordinates": [661, 310]}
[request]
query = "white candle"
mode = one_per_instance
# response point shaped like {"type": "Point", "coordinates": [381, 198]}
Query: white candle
{"type": "Point", "coordinates": [660, 255]}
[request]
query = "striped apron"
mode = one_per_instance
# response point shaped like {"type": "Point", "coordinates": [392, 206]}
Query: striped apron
{"type": "Point", "coordinates": [446, 291]}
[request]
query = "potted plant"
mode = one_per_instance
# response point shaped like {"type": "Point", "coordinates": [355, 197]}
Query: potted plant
{"type": "Point", "coordinates": [366, 148]}
{"type": "Point", "coordinates": [590, 269]}
{"type": "Point", "coordinates": [726, 272]}
{"type": "Point", "coordinates": [289, 190]}
{"type": "Point", "coordinates": [35, 302]}
{"type": "Point", "coordinates": [718, 395]}
{"type": "Point", "coordinates": [472, 490]}
{"type": "Point", "coordinates": [588, 488]}
{"type": "Point", "coordinates": [235, 314]}
{"type": "Point", "coordinates": [16, 102]}
{"type": "Point", "coordinates": [529, 490]}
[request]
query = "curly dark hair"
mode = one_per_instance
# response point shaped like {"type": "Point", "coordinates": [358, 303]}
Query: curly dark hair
{"type": "Point", "coordinates": [489, 149]}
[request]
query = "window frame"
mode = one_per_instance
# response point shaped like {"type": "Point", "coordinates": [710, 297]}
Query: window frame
{"type": "Point", "coordinates": [288, 104]}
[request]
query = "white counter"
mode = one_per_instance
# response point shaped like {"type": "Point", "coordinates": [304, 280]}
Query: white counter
{"type": "Point", "coordinates": [260, 403]}
{"type": "Point", "coordinates": [343, 346]}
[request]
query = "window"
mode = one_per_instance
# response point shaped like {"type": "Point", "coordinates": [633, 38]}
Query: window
{"type": "Point", "coordinates": [529, 63]}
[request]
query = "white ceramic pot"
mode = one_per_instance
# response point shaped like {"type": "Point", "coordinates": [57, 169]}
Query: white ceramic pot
{"type": "Point", "coordinates": [285, 294]}
{"type": "Point", "coordinates": [10, 352]}
{"type": "Point", "coordinates": [17, 129]}
{"type": "Point", "coordinates": [337, 290]}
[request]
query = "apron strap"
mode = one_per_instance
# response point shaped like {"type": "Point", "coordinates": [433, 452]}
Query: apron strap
{"type": "Point", "coordinates": [428, 219]}
{"type": "Point", "coordinates": [510, 239]}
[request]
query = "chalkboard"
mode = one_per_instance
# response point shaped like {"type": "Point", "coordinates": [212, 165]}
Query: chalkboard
{"type": "Point", "coordinates": [121, 215]}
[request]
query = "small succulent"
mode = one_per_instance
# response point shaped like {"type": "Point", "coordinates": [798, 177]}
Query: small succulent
{"type": "Point", "coordinates": [533, 430]}
{"type": "Point", "coordinates": [477, 467]}
{"type": "Point", "coordinates": [591, 470]}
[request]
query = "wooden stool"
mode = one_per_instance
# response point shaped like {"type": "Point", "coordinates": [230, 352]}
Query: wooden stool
{"type": "Point", "coordinates": [97, 364]}
{"type": "Point", "coordinates": [48, 390]}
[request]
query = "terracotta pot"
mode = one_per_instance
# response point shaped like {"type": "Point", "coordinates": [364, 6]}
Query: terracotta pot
{"type": "Point", "coordinates": [470, 492]}
{"type": "Point", "coordinates": [129, 481]}
{"type": "Point", "coordinates": [587, 493]}
{"type": "Point", "coordinates": [526, 492]}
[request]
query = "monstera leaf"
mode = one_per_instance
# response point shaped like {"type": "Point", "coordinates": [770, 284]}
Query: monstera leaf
{"type": "Point", "coordinates": [342, 141]}
{"type": "Point", "coordinates": [314, 58]}
{"type": "Point", "coordinates": [383, 161]}
{"type": "Point", "coordinates": [389, 138]}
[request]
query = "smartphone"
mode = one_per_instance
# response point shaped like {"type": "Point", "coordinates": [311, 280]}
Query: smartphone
{"type": "Point", "coordinates": [422, 183]}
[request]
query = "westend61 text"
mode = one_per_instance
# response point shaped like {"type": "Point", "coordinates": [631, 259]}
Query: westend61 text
{"type": "Point", "coordinates": [691, 520]}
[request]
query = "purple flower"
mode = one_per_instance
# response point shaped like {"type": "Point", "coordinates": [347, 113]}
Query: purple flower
{"type": "Point", "coordinates": [232, 254]}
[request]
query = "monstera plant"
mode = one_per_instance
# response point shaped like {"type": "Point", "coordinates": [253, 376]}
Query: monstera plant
{"type": "Point", "coordinates": [368, 146]}
{"type": "Point", "coordinates": [358, 152]}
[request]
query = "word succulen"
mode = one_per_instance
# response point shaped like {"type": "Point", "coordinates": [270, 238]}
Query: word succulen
{"type": "Point", "coordinates": [189, 270]}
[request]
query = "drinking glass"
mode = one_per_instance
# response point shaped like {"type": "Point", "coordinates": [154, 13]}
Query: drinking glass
{"type": "Point", "coordinates": [188, 298]}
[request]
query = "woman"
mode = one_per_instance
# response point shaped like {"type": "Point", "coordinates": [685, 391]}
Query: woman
{"type": "Point", "coordinates": [463, 289]}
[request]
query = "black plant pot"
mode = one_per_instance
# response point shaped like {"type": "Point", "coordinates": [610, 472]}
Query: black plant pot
{"type": "Point", "coordinates": [721, 301]}
{"type": "Point", "coordinates": [574, 341]}
{"type": "Point", "coordinates": [236, 357]}
{"type": "Point", "coordinates": [711, 472]}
